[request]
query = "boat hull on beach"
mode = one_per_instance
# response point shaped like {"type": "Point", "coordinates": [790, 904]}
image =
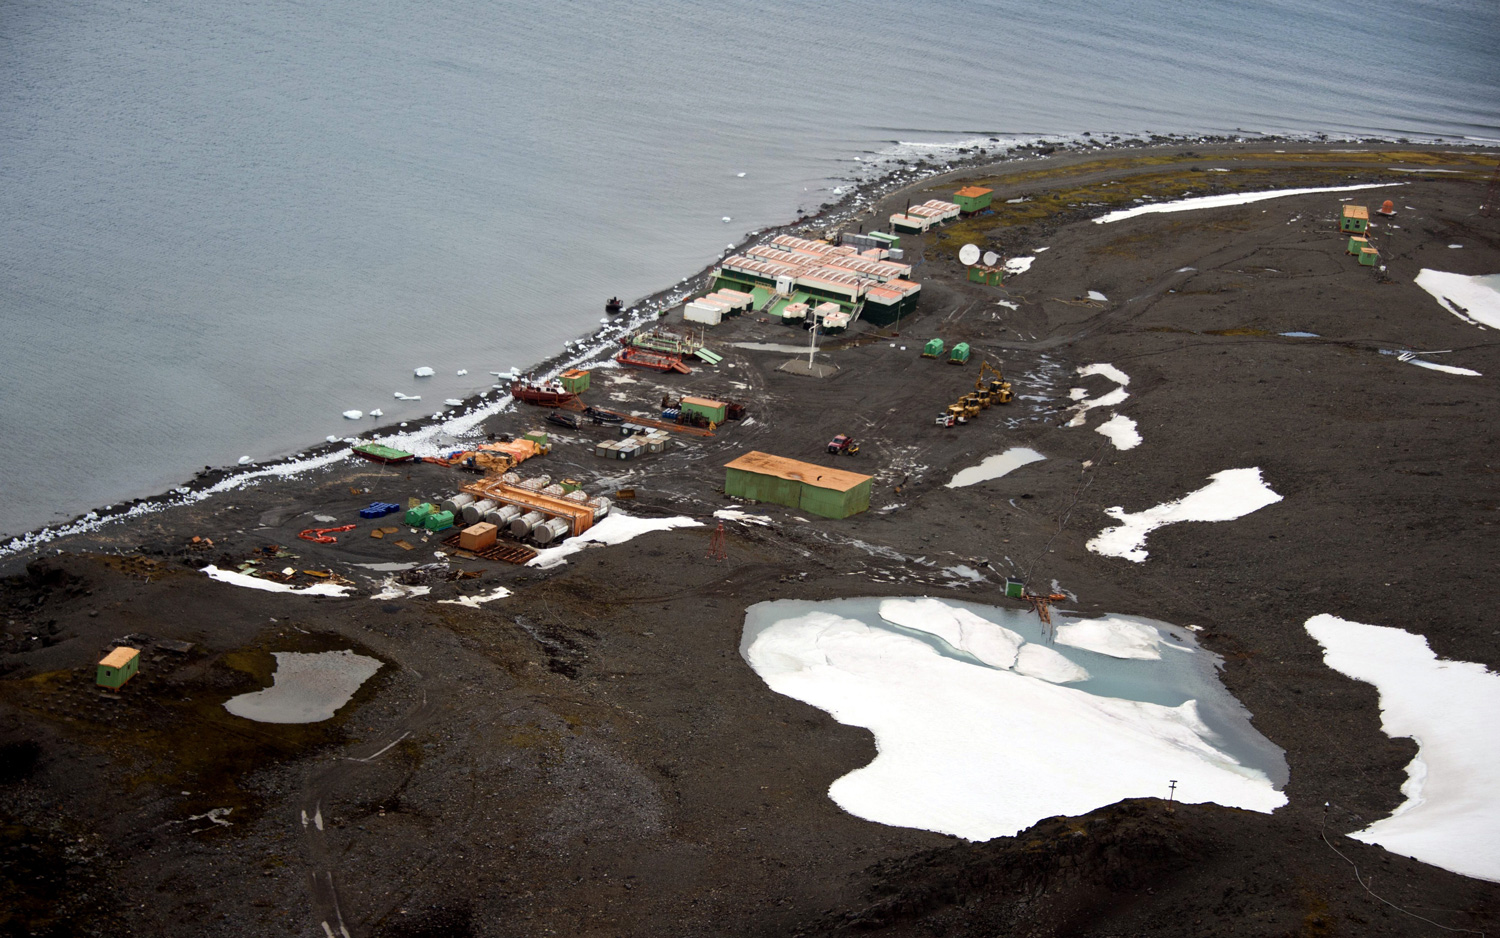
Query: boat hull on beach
{"type": "Point", "coordinates": [550, 394]}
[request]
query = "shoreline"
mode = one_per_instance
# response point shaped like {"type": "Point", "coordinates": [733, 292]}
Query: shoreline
{"type": "Point", "coordinates": [865, 198]}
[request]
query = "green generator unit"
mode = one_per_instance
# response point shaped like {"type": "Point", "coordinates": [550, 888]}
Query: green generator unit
{"type": "Point", "coordinates": [117, 667]}
{"type": "Point", "coordinates": [416, 517]}
{"type": "Point", "coordinates": [438, 521]}
{"type": "Point", "coordinates": [1014, 588]}
{"type": "Point", "coordinates": [933, 348]}
{"type": "Point", "coordinates": [960, 354]}
{"type": "Point", "coordinates": [1368, 256]}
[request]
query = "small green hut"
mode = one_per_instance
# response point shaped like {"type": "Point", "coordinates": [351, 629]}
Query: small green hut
{"type": "Point", "coordinates": [1355, 220]}
{"type": "Point", "coordinates": [933, 348]}
{"type": "Point", "coordinates": [117, 667]}
{"type": "Point", "coordinates": [960, 354]}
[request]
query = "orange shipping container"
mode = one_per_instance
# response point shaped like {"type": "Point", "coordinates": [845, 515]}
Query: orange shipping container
{"type": "Point", "coordinates": [478, 537]}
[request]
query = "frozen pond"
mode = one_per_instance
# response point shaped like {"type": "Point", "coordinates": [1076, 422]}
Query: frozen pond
{"type": "Point", "coordinates": [308, 688]}
{"type": "Point", "coordinates": [996, 466]}
{"type": "Point", "coordinates": [984, 727]}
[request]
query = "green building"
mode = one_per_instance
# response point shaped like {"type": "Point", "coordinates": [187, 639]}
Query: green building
{"type": "Point", "coordinates": [117, 667]}
{"type": "Point", "coordinates": [1355, 220]}
{"type": "Point", "coordinates": [972, 199]}
{"type": "Point", "coordinates": [960, 354]}
{"type": "Point", "coordinates": [717, 411]}
{"type": "Point", "coordinates": [818, 490]}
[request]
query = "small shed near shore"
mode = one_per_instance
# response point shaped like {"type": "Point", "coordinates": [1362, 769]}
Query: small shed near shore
{"type": "Point", "coordinates": [818, 490]}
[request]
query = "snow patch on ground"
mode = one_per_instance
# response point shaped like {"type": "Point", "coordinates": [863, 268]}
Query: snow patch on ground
{"type": "Point", "coordinates": [474, 601]}
{"type": "Point", "coordinates": [994, 467]}
{"type": "Point", "coordinates": [1121, 431]}
{"type": "Point", "coordinates": [270, 586]}
{"type": "Point", "coordinates": [1232, 494]}
{"type": "Point", "coordinates": [1475, 300]}
{"type": "Point", "coordinates": [730, 514]}
{"type": "Point", "coordinates": [1220, 201]}
{"type": "Point", "coordinates": [1446, 369]}
{"type": "Point", "coordinates": [1018, 265]}
{"type": "Point", "coordinates": [1098, 297]}
{"type": "Point", "coordinates": [1451, 817]}
{"type": "Point", "coordinates": [616, 528]}
{"type": "Point", "coordinates": [1111, 399]}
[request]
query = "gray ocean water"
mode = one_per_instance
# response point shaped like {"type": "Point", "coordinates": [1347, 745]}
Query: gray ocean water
{"type": "Point", "coordinates": [223, 224]}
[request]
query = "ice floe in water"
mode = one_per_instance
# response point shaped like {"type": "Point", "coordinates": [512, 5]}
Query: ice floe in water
{"type": "Point", "coordinates": [1232, 494]}
{"type": "Point", "coordinates": [271, 586]}
{"type": "Point", "coordinates": [994, 467]}
{"type": "Point", "coordinates": [1451, 817]}
{"type": "Point", "coordinates": [1233, 198]}
{"type": "Point", "coordinates": [1475, 300]}
{"type": "Point", "coordinates": [616, 528]}
{"type": "Point", "coordinates": [423, 372]}
{"type": "Point", "coordinates": [1121, 431]}
{"type": "Point", "coordinates": [353, 414]}
{"type": "Point", "coordinates": [982, 728]}
{"type": "Point", "coordinates": [308, 688]}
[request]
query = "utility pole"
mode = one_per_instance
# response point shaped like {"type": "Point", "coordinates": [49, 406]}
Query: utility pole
{"type": "Point", "coordinates": [1171, 792]}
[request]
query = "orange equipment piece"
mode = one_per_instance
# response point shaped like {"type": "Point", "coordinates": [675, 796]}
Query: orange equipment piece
{"type": "Point", "coordinates": [320, 535]}
{"type": "Point", "coordinates": [1389, 208]}
{"type": "Point", "coordinates": [716, 547]}
{"type": "Point", "coordinates": [1042, 604]}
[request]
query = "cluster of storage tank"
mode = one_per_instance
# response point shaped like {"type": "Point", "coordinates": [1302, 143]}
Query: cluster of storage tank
{"type": "Point", "coordinates": [521, 521]}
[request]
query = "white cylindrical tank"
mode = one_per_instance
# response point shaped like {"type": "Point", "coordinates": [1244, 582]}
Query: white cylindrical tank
{"type": "Point", "coordinates": [553, 529]}
{"type": "Point", "coordinates": [502, 517]}
{"type": "Point", "coordinates": [535, 483]}
{"type": "Point", "coordinates": [579, 496]}
{"type": "Point", "coordinates": [474, 512]}
{"type": "Point", "coordinates": [526, 523]}
{"type": "Point", "coordinates": [555, 490]}
{"type": "Point", "coordinates": [601, 506]}
{"type": "Point", "coordinates": [457, 502]}
{"type": "Point", "coordinates": [511, 478]}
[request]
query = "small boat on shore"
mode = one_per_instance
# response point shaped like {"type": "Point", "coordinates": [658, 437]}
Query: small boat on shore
{"type": "Point", "coordinates": [542, 394]}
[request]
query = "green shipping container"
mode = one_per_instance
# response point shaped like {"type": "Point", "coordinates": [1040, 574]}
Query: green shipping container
{"type": "Point", "coordinates": [415, 517]}
{"type": "Point", "coordinates": [713, 410]}
{"type": "Point", "coordinates": [575, 381]}
{"type": "Point", "coordinates": [1014, 588]}
{"type": "Point", "coordinates": [960, 354]}
{"type": "Point", "coordinates": [933, 348]}
{"type": "Point", "coordinates": [438, 521]}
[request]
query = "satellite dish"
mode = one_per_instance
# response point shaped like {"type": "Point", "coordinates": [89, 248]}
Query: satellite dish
{"type": "Point", "coordinates": [968, 255]}
{"type": "Point", "coordinates": [990, 257]}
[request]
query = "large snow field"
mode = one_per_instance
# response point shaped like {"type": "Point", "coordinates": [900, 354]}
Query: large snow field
{"type": "Point", "coordinates": [1451, 816]}
{"type": "Point", "coordinates": [1232, 494]}
{"type": "Point", "coordinates": [983, 728]}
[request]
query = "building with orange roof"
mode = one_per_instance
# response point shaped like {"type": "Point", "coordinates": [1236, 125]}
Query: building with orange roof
{"type": "Point", "coordinates": [818, 490]}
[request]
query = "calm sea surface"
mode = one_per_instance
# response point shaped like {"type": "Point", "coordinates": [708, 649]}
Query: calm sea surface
{"type": "Point", "coordinates": [223, 224]}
